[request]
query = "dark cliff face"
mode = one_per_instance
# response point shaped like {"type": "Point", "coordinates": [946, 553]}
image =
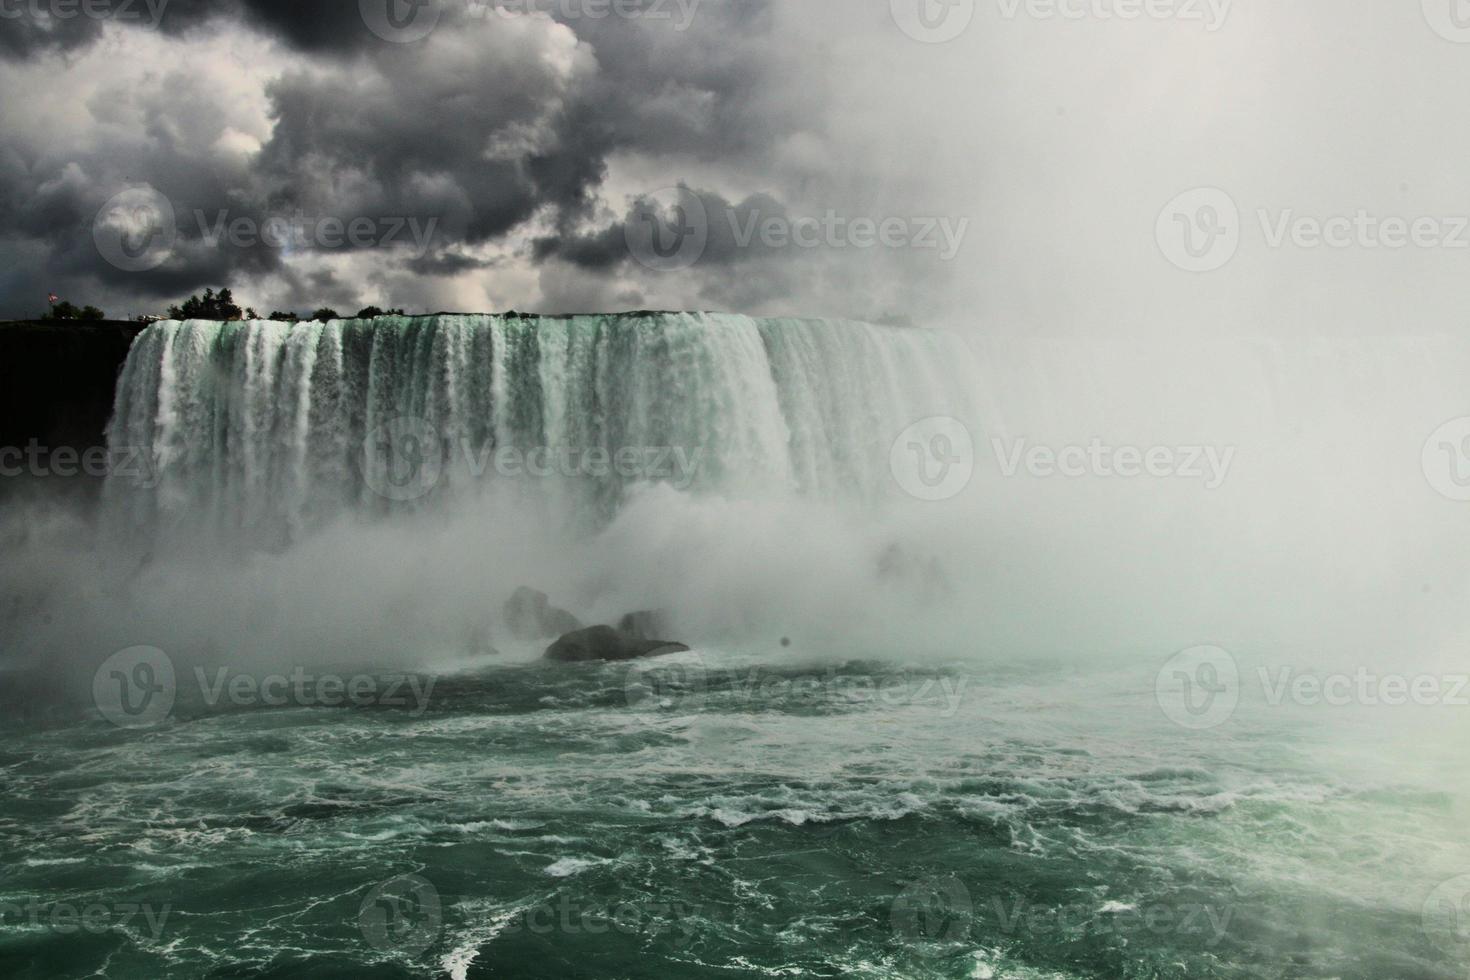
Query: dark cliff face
{"type": "Point", "coordinates": [56, 390]}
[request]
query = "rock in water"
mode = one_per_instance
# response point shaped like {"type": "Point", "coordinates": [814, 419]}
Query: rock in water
{"type": "Point", "coordinates": [648, 624]}
{"type": "Point", "coordinates": [530, 616]}
{"type": "Point", "coordinates": [606, 643]}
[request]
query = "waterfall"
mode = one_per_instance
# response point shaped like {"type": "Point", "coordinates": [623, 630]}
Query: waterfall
{"type": "Point", "coordinates": [381, 476]}
{"type": "Point", "coordinates": [273, 428]}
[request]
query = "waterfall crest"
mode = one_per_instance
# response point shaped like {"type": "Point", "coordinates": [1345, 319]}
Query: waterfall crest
{"type": "Point", "coordinates": [271, 427]}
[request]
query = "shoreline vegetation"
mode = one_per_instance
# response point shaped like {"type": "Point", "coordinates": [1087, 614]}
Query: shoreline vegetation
{"type": "Point", "coordinates": [221, 306]}
{"type": "Point", "coordinates": [140, 322]}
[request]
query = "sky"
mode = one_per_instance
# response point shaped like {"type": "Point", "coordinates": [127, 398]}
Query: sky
{"type": "Point", "coordinates": [1052, 167]}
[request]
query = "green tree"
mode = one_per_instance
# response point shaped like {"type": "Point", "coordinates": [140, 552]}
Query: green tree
{"type": "Point", "coordinates": [282, 316]}
{"type": "Point", "coordinates": [372, 312]}
{"type": "Point", "coordinates": [208, 307]}
{"type": "Point", "coordinates": [68, 311]}
{"type": "Point", "coordinates": [325, 313]}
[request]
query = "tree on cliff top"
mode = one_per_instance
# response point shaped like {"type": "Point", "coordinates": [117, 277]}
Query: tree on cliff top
{"type": "Point", "coordinates": [67, 311]}
{"type": "Point", "coordinates": [210, 307]}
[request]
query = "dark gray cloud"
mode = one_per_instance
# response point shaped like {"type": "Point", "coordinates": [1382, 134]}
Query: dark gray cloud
{"type": "Point", "coordinates": [487, 147]}
{"type": "Point", "coordinates": [25, 36]}
{"type": "Point", "coordinates": [725, 240]}
{"type": "Point", "coordinates": [36, 27]}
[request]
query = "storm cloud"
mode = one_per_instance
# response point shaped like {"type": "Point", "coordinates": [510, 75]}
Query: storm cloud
{"type": "Point", "coordinates": [1006, 172]}
{"type": "Point", "coordinates": [269, 132]}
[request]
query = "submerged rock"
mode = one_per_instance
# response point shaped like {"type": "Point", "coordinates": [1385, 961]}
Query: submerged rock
{"type": "Point", "coordinates": [923, 578]}
{"type": "Point", "coordinates": [606, 643]}
{"type": "Point", "coordinates": [647, 624]}
{"type": "Point", "coordinates": [529, 615]}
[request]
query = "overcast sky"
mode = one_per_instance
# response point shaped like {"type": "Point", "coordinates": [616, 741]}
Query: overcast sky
{"type": "Point", "coordinates": [1000, 165]}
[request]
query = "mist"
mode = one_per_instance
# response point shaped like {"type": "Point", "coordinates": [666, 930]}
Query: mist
{"type": "Point", "coordinates": [1118, 501]}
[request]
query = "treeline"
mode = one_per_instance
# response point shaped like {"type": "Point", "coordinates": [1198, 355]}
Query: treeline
{"type": "Point", "coordinates": [67, 311]}
{"type": "Point", "coordinates": [222, 306]}
{"type": "Point", "coordinates": [212, 306]}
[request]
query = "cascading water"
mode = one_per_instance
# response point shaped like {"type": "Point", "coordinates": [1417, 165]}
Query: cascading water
{"type": "Point", "coordinates": [275, 428]}
{"type": "Point", "coordinates": [749, 435]}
